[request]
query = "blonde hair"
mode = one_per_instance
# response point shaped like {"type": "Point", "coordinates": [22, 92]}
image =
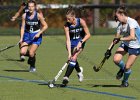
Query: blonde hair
{"type": "Point", "coordinates": [71, 11]}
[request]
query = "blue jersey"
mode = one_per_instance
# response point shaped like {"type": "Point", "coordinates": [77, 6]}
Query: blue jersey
{"type": "Point", "coordinates": [32, 25]}
{"type": "Point", "coordinates": [25, 10]}
{"type": "Point", "coordinates": [76, 32]}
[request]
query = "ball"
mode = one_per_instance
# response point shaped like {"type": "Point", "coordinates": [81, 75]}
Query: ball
{"type": "Point", "coordinates": [51, 85]}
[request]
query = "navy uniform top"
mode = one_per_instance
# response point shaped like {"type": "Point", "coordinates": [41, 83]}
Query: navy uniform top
{"type": "Point", "coordinates": [25, 10]}
{"type": "Point", "coordinates": [32, 25]}
{"type": "Point", "coordinates": [77, 31]}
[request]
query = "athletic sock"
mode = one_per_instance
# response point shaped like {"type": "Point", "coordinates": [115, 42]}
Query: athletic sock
{"type": "Point", "coordinates": [121, 65]}
{"type": "Point", "coordinates": [70, 68]}
{"type": "Point", "coordinates": [126, 75]}
{"type": "Point", "coordinates": [31, 61]}
{"type": "Point", "coordinates": [77, 67]}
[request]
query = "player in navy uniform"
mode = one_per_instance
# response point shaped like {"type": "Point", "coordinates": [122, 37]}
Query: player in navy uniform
{"type": "Point", "coordinates": [77, 34]}
{"type": "Point", "coordinates": [23, 9]}
{"type": "Point", "coordinates": [31, 33]}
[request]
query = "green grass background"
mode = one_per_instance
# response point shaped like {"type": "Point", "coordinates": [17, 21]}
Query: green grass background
{"type": "Point", "coordinates": [16, 83]}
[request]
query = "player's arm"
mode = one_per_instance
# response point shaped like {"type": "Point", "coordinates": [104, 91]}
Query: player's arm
{"type": "Point", "coordinates": [43, 24]}
{"type": "Point", "coordinates": [22, 27]}
{"type": "Point", "coordinates": [87, 33]}
{"type": "Point", "coordinates": [130, 37]}
{"type": "Point", "coordinates": [17, 14]}
{"type": "Point", "coordinates": [68, 43]}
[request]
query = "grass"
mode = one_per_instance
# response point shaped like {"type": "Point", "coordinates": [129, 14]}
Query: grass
{"type": "Point", "coordinates": [16, 83]}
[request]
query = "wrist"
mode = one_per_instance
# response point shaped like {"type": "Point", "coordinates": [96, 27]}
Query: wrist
{"type": "Point", "coordinates": [81, 41]}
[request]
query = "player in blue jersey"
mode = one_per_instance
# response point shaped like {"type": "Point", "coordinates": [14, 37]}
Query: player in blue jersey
{"type": "Point", "coordinates": [130, 44]}
{"type": "Point", "coordinates": [77, 34]}
{"type": "Point", "coordinates": [23, 9]}
{"type": "Point", "coordinates": [33, 25]}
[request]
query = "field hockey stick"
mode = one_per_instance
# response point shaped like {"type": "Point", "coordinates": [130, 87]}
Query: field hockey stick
{"type": "Point", "coordinates": [51, 83]}
{"type": "Point", "coordinates": [97, 68]}
{"type": "Point", "coordinates": [8, 47]}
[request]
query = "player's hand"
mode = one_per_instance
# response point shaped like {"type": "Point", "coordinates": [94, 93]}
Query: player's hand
{"type": "Point", "coordinates": [79, 46]}
{"type": "Point", "coordinates": [13, 18]}
{"type": "Point", "coordinates": [108, 54]}
{"type": "Point", "coordinates": [116, 40]}
{"type": "Point", "coordinates": [36, 36]}
{"type": "Point", "coordinates": [21, 40]}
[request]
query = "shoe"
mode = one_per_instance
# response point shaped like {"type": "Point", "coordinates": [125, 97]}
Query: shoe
{"type": "Point", "coordinates": [22, 58]}
{"type": "Point", "coordinates": [65, 82]}
{"type": "Point", "coordinates": [32, 69]}
{"type": "Point", "coordinates": [119, 74]}
{"type": "Point", "coordinates": [80, 75]}
{"type": "Point", "coordinates": [124, 84]}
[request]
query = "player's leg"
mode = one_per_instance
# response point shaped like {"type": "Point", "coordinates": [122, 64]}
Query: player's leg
{"type": "Point", "coordinates": [133, 53]}
{"type": "Point", "coordinates": [32, 58]}
{"type": "Point", "coordinates": [23, 50]}
{"type": "Point", "coordinates": [121, 51]}
{"type": "Point", "coordinates": [79, 72]}
{"type": "Point", "coordinates": [70, 68]}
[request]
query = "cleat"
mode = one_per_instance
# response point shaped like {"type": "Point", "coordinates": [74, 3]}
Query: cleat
{"type": "Point", "coordinates": [124, 84]}
{"type": "Point", "coordinates": [80, 75]}
{"type": "Point", "coordinates": [22, 58]}
{"type": "Point", "coordinates": [32, 69]}
{"type": "Point", "coordinates": [119, 74]}
{"type": "Point", "coordinates": [65, 82]}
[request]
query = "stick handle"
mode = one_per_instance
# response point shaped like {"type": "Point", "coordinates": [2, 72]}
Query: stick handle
{"type": "Point", "coordinates": [111, 46]}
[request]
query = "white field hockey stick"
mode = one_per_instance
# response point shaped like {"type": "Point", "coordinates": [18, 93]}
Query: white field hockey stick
{"type": "Point", "coordinates": [8, 47]}
{"type": "Point", "coordinates": [52, 82]}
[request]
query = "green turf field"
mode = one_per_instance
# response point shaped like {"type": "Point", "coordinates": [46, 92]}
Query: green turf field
{"type": "Point", "coordinates": [16, 83]}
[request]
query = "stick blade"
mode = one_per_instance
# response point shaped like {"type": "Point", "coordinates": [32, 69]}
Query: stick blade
{"type": "Point", "coordinates": [95, 68]}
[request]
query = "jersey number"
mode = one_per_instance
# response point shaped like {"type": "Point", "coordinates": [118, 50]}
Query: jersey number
{"type": "Point", "coordinates": [31, 29]}
{"type": "Point", "coordinates": [76, 36]}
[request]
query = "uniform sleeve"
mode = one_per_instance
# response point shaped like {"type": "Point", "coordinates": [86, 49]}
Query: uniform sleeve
{"type": "Point", "coordinates": [132, 23]}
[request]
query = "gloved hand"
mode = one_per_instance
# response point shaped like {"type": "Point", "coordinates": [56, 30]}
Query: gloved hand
{"type": "Point", "coordinates": [116, 40]}
{"type": "Point", "coordinates": [108, 54]}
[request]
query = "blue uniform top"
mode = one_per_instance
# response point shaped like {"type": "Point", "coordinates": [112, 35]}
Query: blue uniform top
{"type": "Point", "coordinates": [32, 25]}
{"type": "Point", "coordinates": [25, 10]}
{"type": "Point", "coordinates": [76, 32]}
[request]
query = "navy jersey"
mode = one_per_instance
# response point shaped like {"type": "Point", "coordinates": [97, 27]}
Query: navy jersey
{"type": "Point", "coordinates": [77, 31]}
{"type": "Point", "coordinates": [32, 25]}
{"type": "Point", "coordinates": [25, 10]}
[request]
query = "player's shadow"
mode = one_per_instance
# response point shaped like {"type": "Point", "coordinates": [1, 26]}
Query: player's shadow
{"type": "Point", "coordinates": [59, 85]}
{"type": "Point", "coordinates": [16, 70]}
{"type": "Point", "coordinates": [106, 85]}
{"type": "Point", "coordinates": [14, 60]}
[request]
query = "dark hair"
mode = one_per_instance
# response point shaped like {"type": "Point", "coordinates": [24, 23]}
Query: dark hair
{"type": "Point", "coordinates": [71, 11]}
{"type": "Point", "coordinates": [122, 10]}
{"type": "Point", "coordinates": [32, 1]}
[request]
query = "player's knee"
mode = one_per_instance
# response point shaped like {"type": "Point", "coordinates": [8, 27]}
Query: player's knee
{"type": "Point", "coordinates": [116, 60]}
{"type": "Point", "coordinates": [31, 53]}
{"type": "Point", "coordinates": [72, 63]}
{"type": "Point", "coordinates": [23, 52]}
